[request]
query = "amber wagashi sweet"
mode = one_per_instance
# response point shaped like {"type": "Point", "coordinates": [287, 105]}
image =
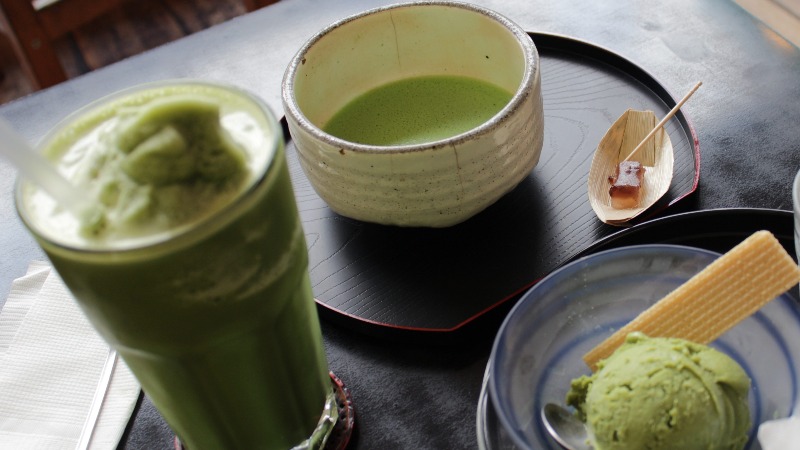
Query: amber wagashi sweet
{"type": "Point", "coordinates": [626, 185]}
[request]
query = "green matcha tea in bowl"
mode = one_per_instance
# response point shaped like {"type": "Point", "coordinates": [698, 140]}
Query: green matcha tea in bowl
{"type": "Point", "coordinates": [194, 265]}
{"type": "Point", "coordinates": [416, 114]}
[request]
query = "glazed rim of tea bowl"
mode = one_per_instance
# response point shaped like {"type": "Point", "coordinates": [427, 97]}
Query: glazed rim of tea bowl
{"type": "Point", "coordinates": [433, 184]}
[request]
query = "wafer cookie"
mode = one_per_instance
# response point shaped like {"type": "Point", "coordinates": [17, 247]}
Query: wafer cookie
{"type": "Point", "coordinates": [730, 289]}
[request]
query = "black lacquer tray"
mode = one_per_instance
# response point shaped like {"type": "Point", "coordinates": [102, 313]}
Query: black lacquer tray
{"type": "Point", "coordinates": [435, 282]}
{"type": "Point", "coordinates": [717, 230]}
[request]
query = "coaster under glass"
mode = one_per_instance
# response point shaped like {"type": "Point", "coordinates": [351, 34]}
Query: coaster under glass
{"type": "Point", "coordinates": [342, 431]}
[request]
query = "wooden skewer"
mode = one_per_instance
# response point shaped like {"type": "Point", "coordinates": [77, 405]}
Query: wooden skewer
{"type": "Point", "coordinates": [664, 120]}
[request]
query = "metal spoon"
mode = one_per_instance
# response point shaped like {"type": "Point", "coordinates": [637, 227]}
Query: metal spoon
{"type": "Point", "coordinates": [565, 427]}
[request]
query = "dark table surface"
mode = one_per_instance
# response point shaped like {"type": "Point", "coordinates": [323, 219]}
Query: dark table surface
{"type": "Point", "coordinates": [417, 394]}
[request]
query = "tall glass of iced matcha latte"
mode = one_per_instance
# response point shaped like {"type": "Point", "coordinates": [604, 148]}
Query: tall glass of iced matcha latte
{"type": "Point", "coordinates": [194, 264]}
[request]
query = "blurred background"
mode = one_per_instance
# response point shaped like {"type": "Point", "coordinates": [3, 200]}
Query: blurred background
{"type": "Point", "coordinates": [43, 42]}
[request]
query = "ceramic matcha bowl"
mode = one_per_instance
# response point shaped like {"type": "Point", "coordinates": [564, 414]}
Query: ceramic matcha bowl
{"type": "Point", "coordinates": [438, 181]}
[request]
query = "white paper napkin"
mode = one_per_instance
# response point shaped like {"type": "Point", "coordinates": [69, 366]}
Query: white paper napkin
{"type": "Point", "coordinates": [781, 434]}
{"type": "Point", "coordinates": [50, 364]}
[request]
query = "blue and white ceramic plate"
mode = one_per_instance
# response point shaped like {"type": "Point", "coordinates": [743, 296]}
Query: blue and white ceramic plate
{"type": "Point", "coordinates": [539, 347]}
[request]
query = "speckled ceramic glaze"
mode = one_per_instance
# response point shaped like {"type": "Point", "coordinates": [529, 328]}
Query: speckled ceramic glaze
{"type": "Point", "coordinates": [436, 184]}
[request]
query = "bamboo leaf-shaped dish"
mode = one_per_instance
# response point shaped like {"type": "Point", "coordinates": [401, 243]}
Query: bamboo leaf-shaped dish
{"type": "Point", "coordinates": [635, 137]}
{"type": "Point", "coordinates": [655, 155]}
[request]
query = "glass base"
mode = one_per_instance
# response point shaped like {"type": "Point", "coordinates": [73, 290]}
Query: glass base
{"type": "Point", "coordinates": [335, 427]}
{"type": "Point", "coordinates": [343, 429]}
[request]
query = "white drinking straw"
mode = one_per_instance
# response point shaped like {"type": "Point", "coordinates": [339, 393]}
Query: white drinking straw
{"type": "Point", "coordinates": [35, 168]}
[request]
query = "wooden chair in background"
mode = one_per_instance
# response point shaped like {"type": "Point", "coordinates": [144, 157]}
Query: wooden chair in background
{"type": "Point", "coordinates": [37, 24]}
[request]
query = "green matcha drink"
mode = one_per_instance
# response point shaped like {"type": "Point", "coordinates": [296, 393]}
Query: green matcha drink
{"type": "Point", "coordinates": [196, 272]}
{"type": "Point", "coordinates": [418, 110]}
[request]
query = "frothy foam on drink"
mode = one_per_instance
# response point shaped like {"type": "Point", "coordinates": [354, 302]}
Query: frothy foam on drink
{"type": "Point", "coordinates": [155, 163]}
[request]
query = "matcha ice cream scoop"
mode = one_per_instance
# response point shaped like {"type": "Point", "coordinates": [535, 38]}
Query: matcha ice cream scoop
{"type": "Point", "coordinates": [664, 393]}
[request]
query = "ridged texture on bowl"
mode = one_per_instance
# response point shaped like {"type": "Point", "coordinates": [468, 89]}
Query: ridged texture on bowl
{"type": "Point", "coordinates": [436, 186]}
